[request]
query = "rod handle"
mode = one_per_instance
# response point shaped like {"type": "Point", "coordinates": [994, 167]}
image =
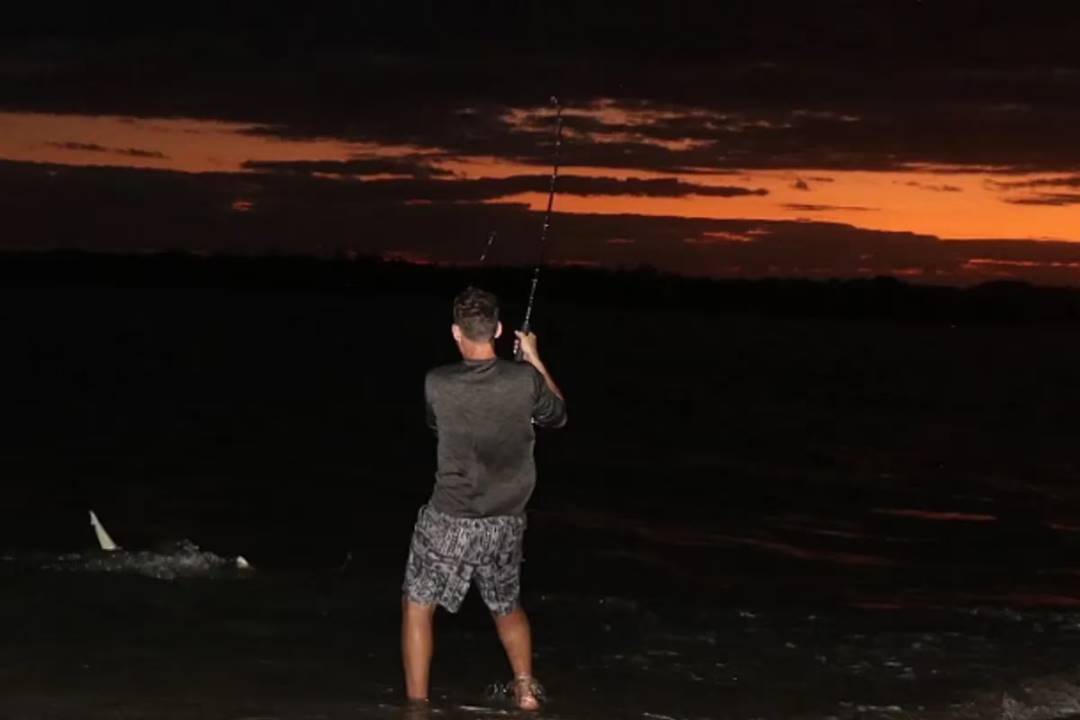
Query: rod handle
{"type": "Point", "coordinates": [517, 343]}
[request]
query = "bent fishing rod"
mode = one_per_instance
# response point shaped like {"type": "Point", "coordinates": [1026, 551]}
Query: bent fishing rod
{"type": "Point", "coordinates": [525, 325]}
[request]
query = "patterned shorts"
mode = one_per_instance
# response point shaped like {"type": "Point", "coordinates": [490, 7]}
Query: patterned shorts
{"type": "Point", "coordinates": [448, 553]}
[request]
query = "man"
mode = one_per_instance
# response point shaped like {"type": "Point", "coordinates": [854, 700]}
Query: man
{"type": "Point", "coordinates": [483, 410]}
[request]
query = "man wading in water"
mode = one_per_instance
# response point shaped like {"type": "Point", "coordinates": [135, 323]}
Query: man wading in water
{"type": "Point", "coordinates": [483, 410]}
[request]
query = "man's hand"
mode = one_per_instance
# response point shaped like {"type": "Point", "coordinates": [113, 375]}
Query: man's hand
{"type": "Point", "coordinates": [527, 344]}
{"type": "Point", "coordinates": [529, 353]}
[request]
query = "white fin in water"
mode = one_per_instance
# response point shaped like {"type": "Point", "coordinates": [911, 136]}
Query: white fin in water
{"type": "Point", "coordinates": [103, 538]}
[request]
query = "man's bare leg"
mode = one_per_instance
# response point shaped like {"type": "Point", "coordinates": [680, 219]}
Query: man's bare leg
{"type": "Point", "coordinates": [516, 637]}
{"type": "Point", "coordinates": [417, 647]}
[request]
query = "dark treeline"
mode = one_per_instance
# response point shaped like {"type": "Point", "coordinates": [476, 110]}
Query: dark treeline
{"type": "Point", "coordinates": [884, 298]}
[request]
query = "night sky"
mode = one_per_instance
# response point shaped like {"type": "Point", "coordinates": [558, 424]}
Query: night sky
{"type": "Point", "coordinates": [933, 141]}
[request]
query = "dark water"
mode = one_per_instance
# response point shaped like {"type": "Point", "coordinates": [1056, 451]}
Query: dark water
{"type": "Point", "coordinates": [746, 517]}
{"type": "Point", "coordinates": [303, 645]}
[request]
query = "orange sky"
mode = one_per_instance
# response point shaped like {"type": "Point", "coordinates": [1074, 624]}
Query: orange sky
{"type": "Point", "coordinates": [946, 202]}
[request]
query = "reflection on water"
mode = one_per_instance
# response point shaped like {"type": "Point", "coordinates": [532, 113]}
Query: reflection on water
{"type": "Point", "coordinates": [879, 558]}
{"type": "Point", "coordinates": [935, 515]}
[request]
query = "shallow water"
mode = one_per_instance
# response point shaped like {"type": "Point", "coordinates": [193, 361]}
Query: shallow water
{"type": "Point", "coordinates": [796, 520]}
{"type": "Point", "coordinates": [112, 644]}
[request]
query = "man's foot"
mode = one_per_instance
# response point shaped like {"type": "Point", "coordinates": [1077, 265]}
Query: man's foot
{"type": "Point", "coordinates": [527, 692]}
{"type": "Point", "coordinates": [416, 709]}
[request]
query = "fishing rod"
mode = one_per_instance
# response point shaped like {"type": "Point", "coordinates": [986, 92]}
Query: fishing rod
{"type": "Point", "coordinates": [487, 248]}
{"type": "Point", "coordinates": [544, 229]}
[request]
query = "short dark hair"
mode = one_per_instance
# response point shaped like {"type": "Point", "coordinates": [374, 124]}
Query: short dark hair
{"type": "Point", "coordinates": [476, 312]}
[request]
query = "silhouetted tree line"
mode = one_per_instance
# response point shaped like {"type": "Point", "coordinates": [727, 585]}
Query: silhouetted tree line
{"type": "Point", "coordinates": [644, 287]}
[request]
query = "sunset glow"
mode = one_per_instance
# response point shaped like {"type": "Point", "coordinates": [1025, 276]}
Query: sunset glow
{"type": "Point", "coordinates": [753, 169]}
{"type": "Point", "coordinates": [181, 144]}
{"type": "Point", "coordinates": [946, 201]}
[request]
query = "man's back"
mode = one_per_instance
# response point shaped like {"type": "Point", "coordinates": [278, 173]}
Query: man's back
{"type": "Point", "coordinates": [472, 531]}
{"type": "Point", "coordinates": [483, 412]}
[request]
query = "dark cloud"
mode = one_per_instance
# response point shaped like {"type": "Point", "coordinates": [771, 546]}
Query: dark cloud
{"type": "Point", "coordinates": [800, 184]}
{"type": "Point", "coordinates": [767, 116]}
{"type": "Point", "coordinates": [1057, 199]}
{"type": "Point", "coordinates": [932, 187]}
{"type": "Point", "coordinates": [1053, 199]}
{"type": "Point", "coordinates": [808, 207]}
{"type": "Point", "coordinates": [478, 189]}
{"type": "Point", "coordinates": [94, 147]}
{"type": "Point", "coordinates": [108, 208]}
{"type": "Point", "coordinates": [903, 32]}
{"type": "Point", "coordinates": [653, 187]}
{"type": "Point", "coordinates": [856, 133]}
{"type": "Point", "coordinates": [88, 147]}
{"type": "Point", "coordinates": [744, 101]}
{"type": "Point", "coordinates": [1018, 251]}
{"type": "Point", "coordinates": [1066, 182]}
{"type": "Point", "coordinates": [419, 168]}
{"type": "Point", "coordinates": [136, 152]}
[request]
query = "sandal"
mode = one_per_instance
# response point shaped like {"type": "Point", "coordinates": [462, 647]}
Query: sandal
{"type": "Point", "coordinates": [527, 692]}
